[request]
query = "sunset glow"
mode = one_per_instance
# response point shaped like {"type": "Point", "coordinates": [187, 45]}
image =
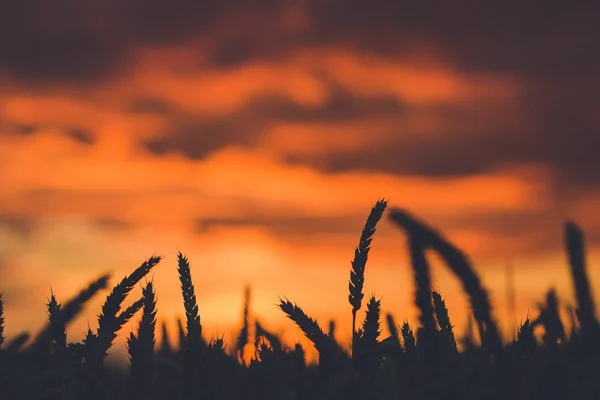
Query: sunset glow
{"type": "Point", "coordinates": [262, 167]}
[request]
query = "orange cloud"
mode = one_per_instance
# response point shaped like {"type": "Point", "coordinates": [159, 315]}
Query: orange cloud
{"type": "Point", "coordinates": [110, 204]}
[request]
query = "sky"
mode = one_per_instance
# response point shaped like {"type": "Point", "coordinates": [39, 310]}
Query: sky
{"type": "Point", "coordinates": [255, 137]}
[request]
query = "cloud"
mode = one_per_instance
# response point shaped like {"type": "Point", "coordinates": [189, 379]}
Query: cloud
{"type": "Point", "coordinates": [289, 226]}
{"type": "Point", "coordinates": [475, 140]}
{"type": "Point", "coordinates": [81, 136]}
{"type": "Point", "coordinates": [74, 42]}
{"type": "Point", "coordinates": [18, 224]}
{"type": "Point", "coordinates": [197, 137]}
{"type": "Point", "coordinates": [71, 41]}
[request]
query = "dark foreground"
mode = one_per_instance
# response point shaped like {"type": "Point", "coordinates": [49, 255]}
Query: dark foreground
{"type": "Point", "coordinates": [409, 363]}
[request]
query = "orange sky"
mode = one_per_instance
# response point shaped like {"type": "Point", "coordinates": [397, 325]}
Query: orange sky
{"type": "Point", "coordinates": [263, 173]}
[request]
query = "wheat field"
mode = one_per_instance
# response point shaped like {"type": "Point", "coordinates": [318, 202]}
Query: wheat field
{"type": "Point", "coordinates": [549, 358]}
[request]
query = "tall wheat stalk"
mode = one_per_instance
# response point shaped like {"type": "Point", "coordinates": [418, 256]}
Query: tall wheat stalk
{"type": "Point", "coordinates": [357, 273]}
{"type": "Point", "coordinates": [193, 325]}
{"type": "Point", "coordinates": [194, 348]}
{"type": "Point", "coordinates": [423, 296]}
{"type": "Point", "coordinates": [243, 337]}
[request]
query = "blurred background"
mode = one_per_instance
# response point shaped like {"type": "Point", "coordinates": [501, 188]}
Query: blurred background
{"type": "Point", "coordinates": [256, 136]}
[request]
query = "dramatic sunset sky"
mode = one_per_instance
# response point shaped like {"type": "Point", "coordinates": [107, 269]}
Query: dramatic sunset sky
{"type": "Point", "coordinates": [256, 136]}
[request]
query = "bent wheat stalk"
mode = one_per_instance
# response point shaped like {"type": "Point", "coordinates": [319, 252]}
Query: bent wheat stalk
{"type": "Point", "coordinates": [576, 253]}
{"type": "Point", "coordinates": [460, 266]}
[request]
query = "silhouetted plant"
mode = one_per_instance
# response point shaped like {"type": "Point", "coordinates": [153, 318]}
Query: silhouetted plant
{"type": "Point", "coordinates": [443, 320]}
{"type": "Point", "coordinates": [576, 253]}
{"type": "Point", "coordinates": [242, 339]}
{"type": "Point", "coordinates": [309, 327]}
{"type": "Point", "coordinates": [408, 340]}
{"type": "Point", "coordinates": [195, 364]}
{"type": "Point", "coordinates": [422, 366]}
{"type": "Point", "coordinates": [392, 327]}
{"type": "Point", "coordinates": [461, 267]}
{"type": "Point", "coordinates": [60, 316]}
{"type": "Point", "coordinates": [2, 338]}
{"type": "Point", "coordinates": [141, 348]}
{"type": "Point", "coordinates": [109, 323]}
{"type": "Point", "coordinates": [357, 274]}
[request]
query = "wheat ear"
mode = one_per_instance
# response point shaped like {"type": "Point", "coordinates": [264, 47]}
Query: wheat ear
{"type": "Point", "coordinates": [61, 316]}
{"type": "Point", "coordinates": [357, 273]}
{"type": "Point", "coordinates": [108, 321]}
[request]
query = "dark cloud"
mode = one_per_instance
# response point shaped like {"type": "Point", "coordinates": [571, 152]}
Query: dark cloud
{"type": "Point", "coordinates": [150, 105]}
{"type": "Point", "coordinates": [74, 40]}
{"type": "Point", "coordinates": [477, 139]}
{"type": "Point", "coordinates": [81, 136]}
{"type": "Point", "coordinates": [24, 226]}
{"type": "Point", "coordinates": [17, 129]}
{"type": "Point", "coordinates": [197, 137]}
{"type": "Point", "coordinates": [18, 224]}
{"type": "Point", "coordinates": [562, 135]}
{"type": "Point", "coordinates": [70, 40]}
{"type": "Point", "coordinates": [39, 42]}
{"type": "Point", "coordinates": [525, 37]}
{"type": "Point", "coordinates": [549, 48]}
{"type": "Point", "coordinates": [537, 231]}
{"type": "Point", "coordinates": [25, 129]}
{"type": "Point", "coordinates": [525, 232]}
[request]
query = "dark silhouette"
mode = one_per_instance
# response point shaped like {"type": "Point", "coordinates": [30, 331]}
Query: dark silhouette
{"type": "Point", "coordinates": [419, 362]}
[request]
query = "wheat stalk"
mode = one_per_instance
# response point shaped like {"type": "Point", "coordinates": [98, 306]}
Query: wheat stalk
{"type": "Point", "coordinates": [242, 339]}
{"type": "Point", "coordinates": [147, 325]}
{"type": "Point", "coordinates": [57, 326]}
{"type": "Point", "coordinates": [309, 326]}
{"type": "Point", "coordinates": [331, 329]}
{"type": "Point", "coordinates": [361, 253]}
{"type": "Point", "coordinates": [165, 345]}
{"type": "Point", "coordinates": [14, 345]}
{"type": "Point", "coordinates": [443, 319]}
{"type": "Point", "coordinates": [423, 294]}
{"type": "Point", "coordinates": [181, 335]}
{"type": "Point", "coordinates": [392, 327]}
{"type": "Point", "coordinates": [108, 321]}
{"type": "Point", "coordinates": [128, 313]}
{"type": "Point", "coordinates": [460, 266]}
{"type": "Point", "coordinates": [371, 324]}
{"type": "Point", "coordinates": [194, 328]}
{"type": "Point", "coordinates": [272, 338]}
{"type": "Point", "coordinates": [408, 339]}
{"type": "Point", "coordinates": [63, 315]}
{"type": "Point", "coordinates": [195, 362]}
{"type": "Point", "coordinates": [141, 348]}
{"type": "Point", "coordinates": [2, 338]}
{"type": "Point", "coordinates": [576, 252]}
